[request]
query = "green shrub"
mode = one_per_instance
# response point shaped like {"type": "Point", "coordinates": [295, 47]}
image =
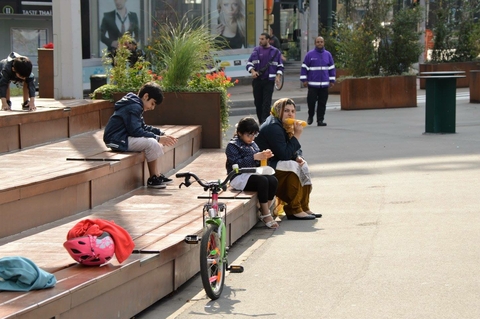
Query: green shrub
{"type": "Point", "coordinates": [123, 76]}
{"type": "Point", "coordinates": [381, 42]}
{"type": "Point", "coordinates": [180, 50]}
{"type": "Point", "coordinates": [456, 31]}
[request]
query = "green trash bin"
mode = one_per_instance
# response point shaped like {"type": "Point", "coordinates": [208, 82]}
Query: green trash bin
{"type": "Point", "coordinates": [440, 103]}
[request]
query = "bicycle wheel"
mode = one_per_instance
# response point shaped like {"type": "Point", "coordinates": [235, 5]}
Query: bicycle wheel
{"type": "Point", "coordinates": [280, 85]}
{"type": "Point", "coordinates": [212, 268]}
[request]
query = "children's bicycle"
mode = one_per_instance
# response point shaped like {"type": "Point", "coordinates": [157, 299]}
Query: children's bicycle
{"type": "Point", "coordinates": [213, 249]}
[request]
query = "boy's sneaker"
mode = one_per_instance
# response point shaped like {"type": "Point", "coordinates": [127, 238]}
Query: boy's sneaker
{"type": "Point", "coordinates": [25, 106]}
{"type": "Point", "coordinates": [155, 182]}
{"type": "Point", "coordinates": [165, 180]}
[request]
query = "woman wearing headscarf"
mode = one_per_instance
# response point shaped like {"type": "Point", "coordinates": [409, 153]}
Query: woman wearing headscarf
{"type": "Point", "coordinates": [291, 169]}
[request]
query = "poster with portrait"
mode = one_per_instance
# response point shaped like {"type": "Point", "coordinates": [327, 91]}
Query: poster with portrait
{"type": "Point", "coordinates": [227, 22]}
{"type": "Point", "coordinates": [117, 17]}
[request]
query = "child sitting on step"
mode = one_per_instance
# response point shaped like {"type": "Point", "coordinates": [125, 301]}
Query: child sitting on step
{"type": "Point", "coordinates": [126, 130]}
{"type": "Point", "coordinates": [242, 150]}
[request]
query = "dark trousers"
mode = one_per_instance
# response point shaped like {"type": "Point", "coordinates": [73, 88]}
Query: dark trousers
{"type": "Point", "coordinates": [264, 185]}
{"type": "Point", "coordinates": [318, 96]}
{"type": "Point", "coordinates": [262, 96]}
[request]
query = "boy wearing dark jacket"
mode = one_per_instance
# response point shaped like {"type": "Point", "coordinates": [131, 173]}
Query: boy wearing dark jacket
{"type": "Point", "coordinates": [17, 69]}
{"type": "Point", "coordinates": [126, 130]}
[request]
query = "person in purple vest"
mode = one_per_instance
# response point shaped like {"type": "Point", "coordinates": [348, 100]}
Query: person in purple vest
{"type": "Point", "coordinates": [318, 73]}
{"type": "Point", "coordinates": [265, 65]}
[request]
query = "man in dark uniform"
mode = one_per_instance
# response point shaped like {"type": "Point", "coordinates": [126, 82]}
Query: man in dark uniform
{"type": "Point", "coordinates": [265, 65]}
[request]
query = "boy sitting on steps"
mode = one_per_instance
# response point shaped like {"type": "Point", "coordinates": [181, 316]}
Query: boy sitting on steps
{"type": "Point", "coordinates": [126, 130]}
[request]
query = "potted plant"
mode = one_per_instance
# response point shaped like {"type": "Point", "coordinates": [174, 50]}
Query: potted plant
{"type": "Point", "coordinates": [456, 46]}
{"type": "Point", "coordinates": [123, 77]}
{"type": "Point", "coordinates": [195, 89]}
{"type": "Point", "coordinates": [379, 50]}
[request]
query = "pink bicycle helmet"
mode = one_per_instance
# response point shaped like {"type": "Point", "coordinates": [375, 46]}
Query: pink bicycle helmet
{"type": "Point", "coordinates": [91, 250]}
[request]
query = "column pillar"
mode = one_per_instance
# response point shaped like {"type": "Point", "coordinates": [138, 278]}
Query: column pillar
{"type": "Point", "coordinates": [67, 40]}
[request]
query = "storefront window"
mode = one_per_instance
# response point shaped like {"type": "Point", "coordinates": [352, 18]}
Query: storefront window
{"type": "Point", "coordinates": [227, 22]}
{"type": "Point", "coordinates": [116, 18]}
{"type": "Point", "coordinates": [27, 42]}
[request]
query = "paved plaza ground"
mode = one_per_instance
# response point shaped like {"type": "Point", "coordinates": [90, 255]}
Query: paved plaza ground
{"type": "Point", "coordinates": [399, 236]}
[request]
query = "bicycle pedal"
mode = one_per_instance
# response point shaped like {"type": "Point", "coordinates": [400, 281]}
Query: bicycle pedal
{"type": "Point", "coordinates": [192, 239]}
{"type": "Point", "coordinates": [235, 269]}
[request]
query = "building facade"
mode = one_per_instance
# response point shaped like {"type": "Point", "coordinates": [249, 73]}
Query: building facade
{"type": "Point", "coordinates": [29, 25]}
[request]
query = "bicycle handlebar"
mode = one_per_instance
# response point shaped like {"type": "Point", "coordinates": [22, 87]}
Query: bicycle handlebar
{"type": "Point", "coordinates": [214, 185]}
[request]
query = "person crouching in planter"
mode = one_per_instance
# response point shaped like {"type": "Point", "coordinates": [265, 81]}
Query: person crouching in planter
{"type": "Point", "coordinates": [291, 169]}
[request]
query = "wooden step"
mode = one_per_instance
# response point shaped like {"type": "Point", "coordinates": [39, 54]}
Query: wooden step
{"type": "Point", "coordinates": [49, 182]}
{"type": "Point", "coordinates": [158, 221]}
{"type": "Point", "coordinates": [53, 121]}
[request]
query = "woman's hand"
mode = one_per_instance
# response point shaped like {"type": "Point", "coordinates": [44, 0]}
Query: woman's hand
{"type": "Point", "coordinates": [300, 160]}
{"type": "Point", "coordinates": [297, 129]}
{"type": "Point", "coordinates": [220, 28]}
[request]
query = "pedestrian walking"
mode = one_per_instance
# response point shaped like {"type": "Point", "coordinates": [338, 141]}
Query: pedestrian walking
{"type": "Point", "coordinates": [266, 66]}
{"type": "Point", "coordinates": [318, 73]}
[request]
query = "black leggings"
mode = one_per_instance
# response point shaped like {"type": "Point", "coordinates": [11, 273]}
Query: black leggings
{"type": "Point", "coordinates": [264, 185]}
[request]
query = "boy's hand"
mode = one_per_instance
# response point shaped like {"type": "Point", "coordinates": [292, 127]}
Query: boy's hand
{"type": "Point", "coordinates": [168, 140]}
{"type": "Point", "coordinates": [5, 105]}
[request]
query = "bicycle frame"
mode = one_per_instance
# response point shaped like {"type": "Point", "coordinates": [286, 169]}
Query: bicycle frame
{"type": "Point", "coordinates": [213, 259]}
{"type": "Point", "coordinates": [213, 210]}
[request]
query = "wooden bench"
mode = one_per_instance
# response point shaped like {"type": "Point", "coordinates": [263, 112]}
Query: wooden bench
{"type": "Point", "coordinates": [53, 121]}
{"type": "Point", "coordinates": [39, 185]}
{"type": "Point", "coordinates": [158, 221]}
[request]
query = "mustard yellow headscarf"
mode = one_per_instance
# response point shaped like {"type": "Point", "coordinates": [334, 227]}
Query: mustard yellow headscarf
{"type": "Point", "coordinates": [277, 111]}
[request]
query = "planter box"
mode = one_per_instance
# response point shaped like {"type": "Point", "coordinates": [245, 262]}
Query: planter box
{"type": "Point", "coordinates": [450, 66]}
{"type": "Point", "coordinates": [45, 73]}
{"type": "Point", "coordinates": [475, 86]}
{"type": "Point", "coordinates": [187, 108]}
{"type": "Point", "coordinates": [379, 92]}
{"type": "Point", "coordinates": [336, 89]}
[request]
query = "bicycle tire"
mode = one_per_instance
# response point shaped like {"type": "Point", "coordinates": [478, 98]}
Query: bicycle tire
{"type": "Point", "coordinates": [212, 268]}
{"type": "Point", "coordinates": [280, 86]}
